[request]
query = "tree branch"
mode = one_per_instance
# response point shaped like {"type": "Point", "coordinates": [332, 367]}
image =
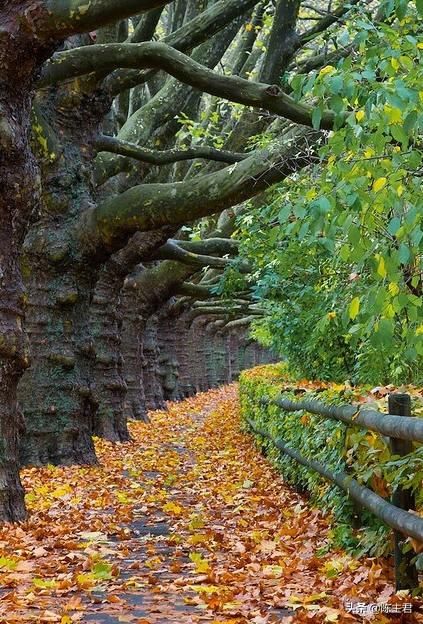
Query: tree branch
{"type": "Point", "coordinates": [210, 246]}
{"type": "Point", "coordinates": [223, 311]}
{"type": "Point", "coordinates": [196, 291]}
{"type": "Point", "coordinates": [196, 31]}
{"type": "Point", "coordinates": [87, 59]}
{"type": "Point", "coordinates": [326, 22]}
{"type": "Point", "coordinates": [146, 26]}
{"type": "Point", "coordinates": [66, 17]}
{"type": "Point", "coordinates": [283, 41]}
{"type": "Point", "coordinates": [125, 148]}
{"type": "Point", "coordinates": [171, 251]}
{"type": "Point", "coordinates": [151, 206]}
{"type": "Point", "coordinates": [247, 320]}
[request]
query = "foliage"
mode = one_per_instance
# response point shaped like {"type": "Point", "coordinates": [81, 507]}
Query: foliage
{"type": "Point", "coordinates": [337, 251]}
{"type": "Point", "coordinates": [363, 454]}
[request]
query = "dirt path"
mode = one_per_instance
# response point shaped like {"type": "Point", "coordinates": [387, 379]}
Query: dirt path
{"type": "Point", "coordinates": [187, 524]}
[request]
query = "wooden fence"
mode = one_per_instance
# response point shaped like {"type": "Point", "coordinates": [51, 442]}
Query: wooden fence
{"type": "Point", "coordinates": [402, 429]}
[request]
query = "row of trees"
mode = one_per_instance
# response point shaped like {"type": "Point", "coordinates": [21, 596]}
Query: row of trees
{"type": "Point", "coordinates": [134, 136]}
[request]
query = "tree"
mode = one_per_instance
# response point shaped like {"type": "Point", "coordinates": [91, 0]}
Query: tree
{"type": "Point", "coordinates": [30, 32]}
{"type": "Point", "coordinates": [75, 231]}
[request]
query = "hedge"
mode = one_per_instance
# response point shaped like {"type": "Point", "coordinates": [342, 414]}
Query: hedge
{"type": "Point", "coordinates": [363, 454]}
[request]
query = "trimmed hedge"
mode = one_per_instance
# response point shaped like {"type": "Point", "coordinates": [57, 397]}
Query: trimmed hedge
{"type": "Point", "coordinates": [365, 455]}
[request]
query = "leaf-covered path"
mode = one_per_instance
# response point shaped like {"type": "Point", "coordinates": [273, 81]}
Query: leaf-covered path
{"type": "Point", "coordinates": [187, 523]}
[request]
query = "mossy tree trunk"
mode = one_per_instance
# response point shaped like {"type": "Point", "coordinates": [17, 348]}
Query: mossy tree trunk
{"type": "Point", "coordinates": [58, 390]}
{"type": "Point", "coordinates": [21, 54]}
{"type": "Point", "coordinates": [106, 322]}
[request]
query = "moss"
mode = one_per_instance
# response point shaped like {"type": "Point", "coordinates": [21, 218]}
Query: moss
{"type": "Point", "coordinates": [67, 297]}
{"type": "Point", "coordinates": [66, 361]}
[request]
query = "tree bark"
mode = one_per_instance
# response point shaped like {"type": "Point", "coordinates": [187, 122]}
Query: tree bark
{"type": "Point", "coordinates": [19, 198]}
{"type": "Point", "coordinates": [58, 391]}
{"type": "Point", "coordinates": [106, 314]}
{"type": "Point", "coordinates": [133, 325]}
{"type": "Point", "coordinates": [154, 397]}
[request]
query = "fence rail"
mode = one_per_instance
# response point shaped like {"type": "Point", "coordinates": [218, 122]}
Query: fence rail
{"type": "Point", "coordinates": [402, 429]}
{"type": "Point", "coordinates": [394, 426]}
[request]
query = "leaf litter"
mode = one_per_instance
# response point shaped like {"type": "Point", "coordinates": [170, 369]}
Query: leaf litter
{"type": "Point", "coordinates": [186, 523]}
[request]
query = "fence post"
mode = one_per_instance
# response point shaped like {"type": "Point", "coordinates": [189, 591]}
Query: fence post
{"type": "Point", "coordinates": [406, 576]}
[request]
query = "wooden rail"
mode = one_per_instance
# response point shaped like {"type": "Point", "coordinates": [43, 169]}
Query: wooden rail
{"type": "Point", "coordinates": [402, 428]}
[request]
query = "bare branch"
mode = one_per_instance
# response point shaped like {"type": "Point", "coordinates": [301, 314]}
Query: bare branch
{"type": "Point", "coordinates": [193, 33]}
{"type": "Point", "coordinates": [210, 246]}
{"type": "Point", "coordinates": [326, 22]}
{"type": "Point", "coordinates": [66, 17]}
{"type": "Point", "coordinates": [151, 206]}
{"type": "Point", "coordinates": [171, 251]}
{"type": "Point", "coordinates": [87, 59]}
{"type": "Point", "coordinates": [196, 291]}
{"type": "Point", "coordinates": [125, 148]}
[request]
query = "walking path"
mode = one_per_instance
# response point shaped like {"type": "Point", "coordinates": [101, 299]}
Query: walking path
{"type": "Point", "coordinates": [186, 524]}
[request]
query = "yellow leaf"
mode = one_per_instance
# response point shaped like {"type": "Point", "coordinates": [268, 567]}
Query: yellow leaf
{"type": "Point", "coordinates": [354, 308]}
{"type": "Point", "coordinates": [325, 71]}
{"type": "Point", "coordinates": [65, 619]}
{"type": "Point", "coordinates": [360, 115]}
{"type": "Point", "coordinates": [394, 114]}
{"type": "Point", "coordinates": [379, 184]}
{"type": "Point", "coordinates": [393, 289]}
{"type": "Point", "coordinates": [381, 268]}
{"type": "Point", "coordinates": [198, 538]}
{"type": "Point", "coordinates": [173, 508]}
{"type": "Point", "coordinates": [201, 564]}
{"type": "Point", "coordinates": [419, 330]}
{"type": "Point", "coordinates": [196, 522]}
{"type": "Point", "coordinates": [204, 589]}
{"type": "Point", "coordinates": [395, 63]}
{"type": "Point", "coordinates": [420, 45]}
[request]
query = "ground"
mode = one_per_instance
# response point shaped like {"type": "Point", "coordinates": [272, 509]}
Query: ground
{"type": "Point", "coordinates": [188, 523]}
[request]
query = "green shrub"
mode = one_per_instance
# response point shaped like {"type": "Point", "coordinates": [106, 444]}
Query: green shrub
{"type": "Point", "coordinates": [363, 454]}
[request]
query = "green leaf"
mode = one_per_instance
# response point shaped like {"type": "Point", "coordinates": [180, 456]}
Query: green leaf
{"type": "Point", "coordinates": [102, 570]}
{"type": "Point", "coordinates": [316, 117]}
{"type": "Point", "coordinates": [404, 254]}
{"type": "Point", "coordinates": [394, 225]}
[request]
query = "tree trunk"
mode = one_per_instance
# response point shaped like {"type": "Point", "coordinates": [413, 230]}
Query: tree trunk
{"type": "Point", "coordinates": [57, 392]}
{"type": "Point", "coordinates": [168, 361]}
{"type": "Point", "coordinates": [183, 355]}
{"type": "Point", "coordinates": [106, 318]}
{"type": "Point", "coordinates": [19, 199]}
{"type": "Point", "coordinates": [133, 325]}
{"type": "Point", "coordinates": [153, 390]}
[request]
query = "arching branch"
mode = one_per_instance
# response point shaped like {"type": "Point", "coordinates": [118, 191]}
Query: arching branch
{"type": "Point", "coordinates": [158, 158]}
{"type": "Point", "coordinates": [85, 60]}
{"type": "Point", "coordinates": [241, 322]}
{"type": "Point", "coordinates": [193, 33]}
{"type": "Point", "coordinates": [171, 251]}
{"type": "Point", "coordinates": [326, 22]}
{"type": "Point", "coordinates": [65, 17]}
{"type": "Point", "coordinates": [151, 206]}
{"type": "Point", "coordinates": [210, 246]}
{"type": "Point", "coordinates": [197, 291]}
